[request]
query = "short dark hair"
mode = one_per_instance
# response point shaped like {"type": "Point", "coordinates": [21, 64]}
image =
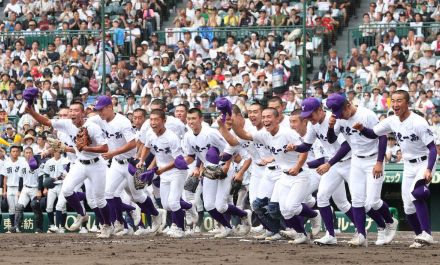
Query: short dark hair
{"type": "Point", "coordinates": [295, 112]}
{"type": "Point", "coordinates": [258, 104]}
{"type": "Point", "coordinates": [159, 113]}
{"type": "Point", "coordinates": [404, 93]}
{"type": "Point", "coordinates": [236, 109]}
{"type": "Point", "coordinates": [159, 102]}
{"type": "Point", "coordinates": [79, 104]}
{"type": "Point", "coordinates": [144, 112]}
{"type": "Point", "coordinates": [29, 148]}
{"type": "Point", "coordinates": [274, 111]}
{"type": "Point", "coordinates": [276, 99]}
{"type": "Point", "coordinates": [183, 106]}
{"type": "Point", "coordinates": [195, 110]}
{"type": "Point", "coordinates": [16, 147]}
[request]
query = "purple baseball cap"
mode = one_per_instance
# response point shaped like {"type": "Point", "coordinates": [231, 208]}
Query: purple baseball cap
{"type": "Point", "coordinates": [308, 106]}
{"type": "Point", "coordinates": [335, 102]}
{"type": "Point", "coordinates": [102, 102]}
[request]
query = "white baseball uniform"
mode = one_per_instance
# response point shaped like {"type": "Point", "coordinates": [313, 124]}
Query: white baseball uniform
{"type": "Point", "coordinates": [166, 148]}
{"type": "Point", "coordinates": [332, 182]}
{"type": "Point", "coordinates": [87, 164]}
{"type": "Point", "coordinates": [215, 192]}
{"type": "Point", "coordinates": [30, 185]}
{"type": "Point", "coordinates": [413, 135]}
{"type": "Point", "coordinates": [13, 171]}
{"type": "Point", "coordinates": [289, 191]}
{"type": "Point", "coordinates": [364, 188]}
{"type": "Point", "coordinates": [54, 169]}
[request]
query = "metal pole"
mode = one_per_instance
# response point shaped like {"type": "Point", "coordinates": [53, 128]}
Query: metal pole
{"type": "Point", "coordinates": [304, 59]}
{"type": "Point", "coordinates": [103, 46]}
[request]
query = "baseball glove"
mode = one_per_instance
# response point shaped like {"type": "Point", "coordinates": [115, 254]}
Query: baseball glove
{"type": "Point", "coordinates": [56, 145]}
{"type": "Point", "coordinates": [191, 184]}
{"type": "Point", "coordinates": [138, 183]}
{"type": "Point", "coordinates": [214, 172]}
{"type": "Point", "coordinates": [235, 187]}
{"type": "Point", "coordinates": [82, 139]}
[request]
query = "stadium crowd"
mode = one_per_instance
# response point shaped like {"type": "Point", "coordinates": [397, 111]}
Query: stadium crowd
{"type": "Point", "coordinates": [196, 70]}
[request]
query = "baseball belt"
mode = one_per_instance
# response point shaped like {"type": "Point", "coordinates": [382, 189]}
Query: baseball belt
{"type": "Point", "coordinates": [89, 162]}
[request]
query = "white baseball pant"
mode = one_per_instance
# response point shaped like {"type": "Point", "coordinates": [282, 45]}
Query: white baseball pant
{"type": "Point", "coordinates": [26, 195]}
{"type": "Point", "coordinates": [12, 195]}
{"type": "Point", "coordinates": [310, 201]}
{"type": "Point", "coordinates": [333, 185]}
{"type": "Point", "coordinates": [52, 195]}
{"type": "Point", "coordinates": [290, 192]}
{"type": "Point", "coordinates": [267, 182]}
{"type": "Point", "coordinates": [79, 173]}
{"type": "Point", "coordinates": [412, 173]}
{"type": "Point", "coordinates": [116, 174]}
{"type": "Point", "coordinates": [171, 189]}
{"type": "Point", "coordinates": [364, 188]}
{"type": "Point", "coordinates": [216, 193]}
{"type": "Point", "coordinates": [257, 173]}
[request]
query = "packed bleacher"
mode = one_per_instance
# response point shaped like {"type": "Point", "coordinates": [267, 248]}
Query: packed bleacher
{"type": "Point", "coordinates": [244, 50]}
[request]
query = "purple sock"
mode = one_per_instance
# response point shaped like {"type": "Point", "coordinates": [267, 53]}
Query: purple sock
{"type": "Point", "coordinates": [75, 203]}
{"type": "Point", "coordinates": [219, 218]}
{"type": "Point", "coordinates": [297, 223]}
{"type": "Point", "coordinates": [179, 218]}
{"type": "Point", "coordinates": [385, 212]}
{"type": "Point", "coordinates": [105, 212]}
{"type": "Point", "coordinates": [147, 207]}
{"type": "Point", "coordinates": [118, 209]}
{"type": "Point", "coordinates": [185, 205]}
{"type": "Point", "coordinates": [307, 212]}
{"type": "Point", "coordinates": [349, 214]}
{"type": "Point", "coordinates": [81, 195]}
{"type": "Point", "coordinates": [234, 210]}
{"type": "Point", "coordinates": [98, 216]}
{"type": "Point", "coordinates": [359, 219]}
{"type": "Point", "coordinates": [413, 221]}
{"type": "Point", "coordinates": [112, 212]}
{"type": "Point", "coordinates": [423, 215]}
{"type": "Point", "coordinates": [327, 217]}
{"type": "Point", "coordinates": [377, 217]}
{"type": "Point", "coordinates": [127, 207]}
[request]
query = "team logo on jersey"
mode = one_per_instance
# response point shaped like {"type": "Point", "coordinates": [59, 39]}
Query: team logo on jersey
{"type": "Point", "coordinates": [166, 150]}
{"type": "Point", "coordinates": [349, 131]}
{"type": "Point", "coordinates": [321, 137]}
{"type": "Point", "coordinates": [201, 149]}
{"type": "Point", "coordinates": [276, 151]}
{"type": "Point", "coordinates": [428, 131]}
{"type": "Point", "coordinates": [117, 135]}
{"type": "Point", "coordinates": [412, 137]}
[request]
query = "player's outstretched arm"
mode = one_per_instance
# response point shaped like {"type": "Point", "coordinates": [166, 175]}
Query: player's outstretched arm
{"type": "Point", "coordinates": [238, 127]}
{"type": "Point", "coordinates": [144, 151]}
{"type": "Point", "coordinates": [96, 149]}
{"type": "Point", "coordinates": [125, 148]}
{"type": "Point", "coordinates": [367, 132]}
{"type": "Point", "coordinates": [230, 139]}
{"type": "Point", "coordinates": [38, 117]}
{"type": "Point", "coordinates": [302, 158]}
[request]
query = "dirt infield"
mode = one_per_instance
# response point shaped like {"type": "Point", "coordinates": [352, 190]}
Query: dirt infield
{"type": "Point", "coordinates": [201, 249]}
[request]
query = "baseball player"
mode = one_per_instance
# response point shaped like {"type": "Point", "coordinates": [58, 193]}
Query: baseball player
{"type": "Point", "coordinates": [206, 144]}
{"type": "Point", "coordinates": [30, 193]}
{"type": "Point", "coordinates": [291, 189]}
{"type": "Point", "coordinates": [87, 164]}
{"type": "Point", "coordinates": [366, 171]}
{"type": "Point", "coordinates": [12, 171]}
{"type": "Point", "coordinates": [166, 147]}
{"type": "Point", "coordinates": [333, 168]}
{"type": "Point", "coordinates": [417, 142]}
{"type": "Point", "coordinates": [122, 147]}
{"type": "Point", "coordinates": [55, 169]}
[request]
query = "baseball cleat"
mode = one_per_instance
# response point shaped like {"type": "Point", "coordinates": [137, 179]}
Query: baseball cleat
{"type": "Point", "coordinates": [316, 224]}
{"type": "Point", "coordinates": [141, 231]}
{"type": "Point", "coordinates": [136, 215]}
{"type": "Point", "coordinates": [390, 231]}
{"type": "Point", "coordinates": [246, 223]}
{"type": "Point", "coordinates": [61, 230]}
{"type": "Point", "coordinates": [197, 229]}
{"type": "Point", "coordinates": [326, 240]}
{"type": "Point", "coordinates": [158, 221]}
{"type": "Point", "coordinates": [122, 233]}
{"type": "Point", "coordinates": [381, 237]}
{"type": "Point", "coordinates": [416, 245]}
{"type": "Point", "coordinates": [257, 230]}
{"type": "Point", "coordinates": [78, 223]}
{"type": "Point", "coordinates": [226, 231]}
{"type": "Point", "coordinates": [117, 227]}
{"type": "Point", "coordinates": [424, 238]}
{"type": "Point", "coordinates": [83, 230]}
{"type": "Point", "coordinates": [289, 233]}
{"type": "Point", "coordinates": [266, 233]}
{"type": "Point", "coordinates": [337, 231]}
{"type": "Point", "coordinates": [105, 232]}
{"type": "Point", "coordinates": [274, 237]}
{"type": "Point", "coordinates": [300, 239]}
{"type": "Point", "coordinates": [358, 241]}
{"type": "Point", "coordinates": [216, 230]}
{"type": "Point", "coordinates": [52, 229]}
{"type": "Point", "coordinates": [177, 233]}
{"type": "Point", "coordinates": [170, 230]}
{"type": "Point", "coordinates": [94, 229]}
